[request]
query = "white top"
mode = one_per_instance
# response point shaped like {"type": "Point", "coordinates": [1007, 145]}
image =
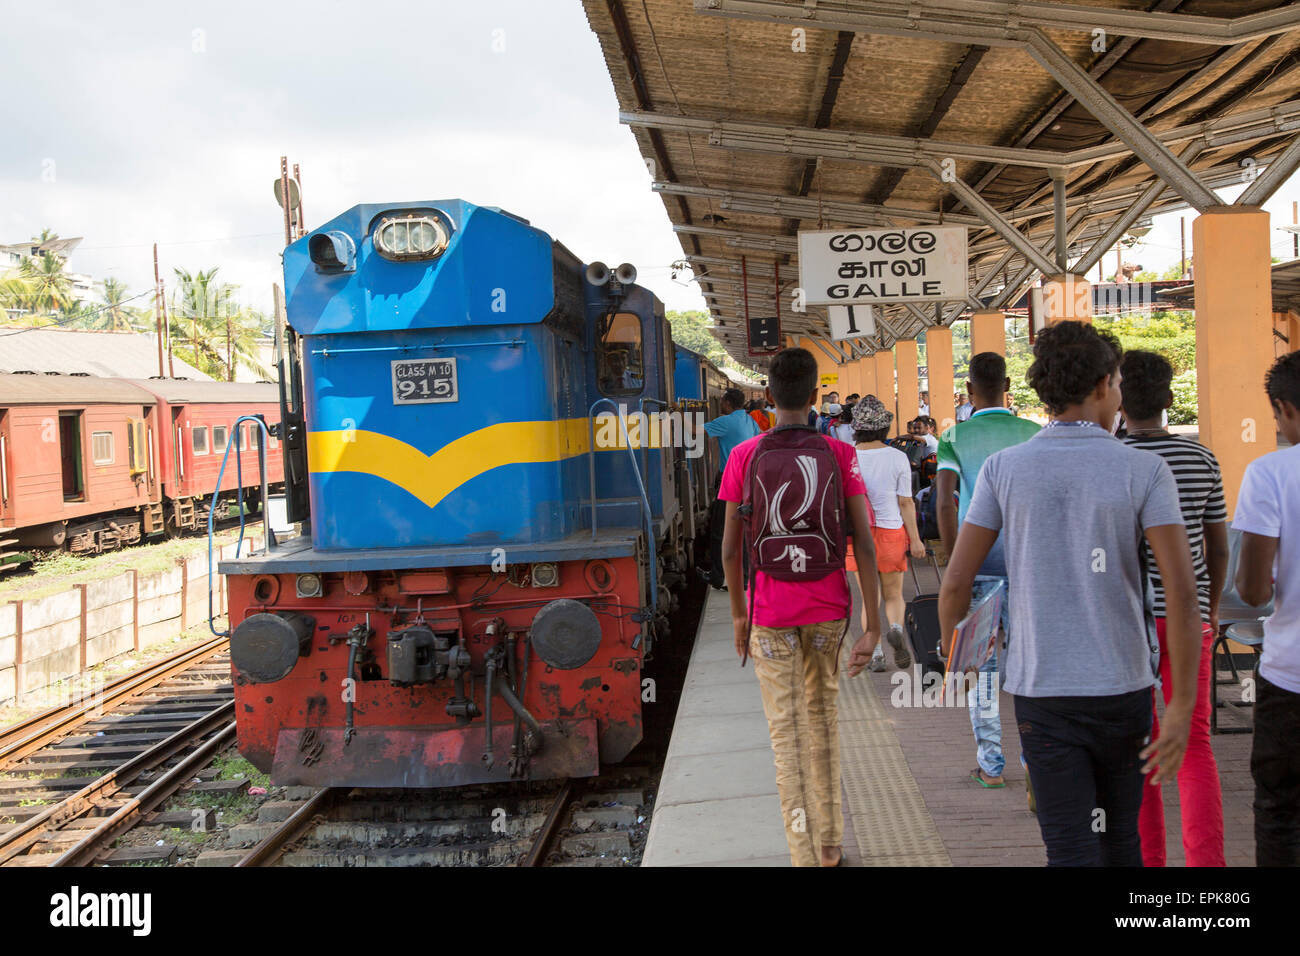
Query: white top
{"type": "Point", "coordinates": [1269, 505]}
{"type": "Point", "coordinates": [923, 409]}
{"type": "Point", "coordinates": [888, 476]}
{"type": "Point", "coordinates": [931, 444]}
{"type": "Point", "coordinates": [844, 432]}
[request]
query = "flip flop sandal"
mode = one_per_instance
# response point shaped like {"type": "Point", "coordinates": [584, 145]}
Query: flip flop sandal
{"type": "Point", "coordinates": [978, 776]}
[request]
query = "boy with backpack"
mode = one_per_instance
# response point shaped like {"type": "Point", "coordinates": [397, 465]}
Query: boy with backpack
{"type": "Point", "coordinates": [792, 496]}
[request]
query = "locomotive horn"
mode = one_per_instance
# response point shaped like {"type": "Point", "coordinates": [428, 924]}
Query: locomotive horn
{"type": "Point", "coordinates": [626, 273]}
{"type": "Point", "coordinates": [598, 273]}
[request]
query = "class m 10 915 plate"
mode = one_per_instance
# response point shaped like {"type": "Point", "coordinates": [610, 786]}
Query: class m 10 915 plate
{"type": "Point", "coordinates": [424, 381]}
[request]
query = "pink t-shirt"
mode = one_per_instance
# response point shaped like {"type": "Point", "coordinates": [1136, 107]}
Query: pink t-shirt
{"type": "Point", "coordinates": [795, 603]}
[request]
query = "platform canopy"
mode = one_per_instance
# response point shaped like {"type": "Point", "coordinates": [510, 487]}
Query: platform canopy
{"type": "Point", "coordinates": [1049, 129]}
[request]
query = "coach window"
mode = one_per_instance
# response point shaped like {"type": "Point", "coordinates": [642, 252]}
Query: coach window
{"type": "Point", "coordinates": [218, 439]}
{"type": "Point", "coordinates": [199, 440]}
{"type": "Point", "coordinates": [101, 444]}
{"type": "Point", "coordinates": [620, 366]}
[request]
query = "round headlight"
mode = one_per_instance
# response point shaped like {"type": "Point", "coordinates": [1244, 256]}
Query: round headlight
{"type": "Point", "coordinates": [411, 237]}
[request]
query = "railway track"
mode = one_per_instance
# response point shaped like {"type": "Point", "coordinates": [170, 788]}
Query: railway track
{"type": "Point", "coordinates": [597, 822]}
{"type": "Point", "coordinates": [74, 779]}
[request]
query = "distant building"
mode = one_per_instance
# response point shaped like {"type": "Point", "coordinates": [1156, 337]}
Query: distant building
{"type": "Point", "coordinates": [13, 255]}
{"type": "Point", "coordinates": [53, 350]}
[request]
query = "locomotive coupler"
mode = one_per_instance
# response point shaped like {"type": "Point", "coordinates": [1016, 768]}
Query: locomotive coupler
{"type": "Point", "coordinates": [358, 637]}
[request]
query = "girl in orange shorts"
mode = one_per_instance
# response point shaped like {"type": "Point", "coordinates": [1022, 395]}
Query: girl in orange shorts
{"type": "Point", "coordinates": [888, 476]}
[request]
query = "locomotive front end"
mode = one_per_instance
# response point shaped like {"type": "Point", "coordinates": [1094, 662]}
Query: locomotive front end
{"type": "Point", "coordinates": [453, 617]}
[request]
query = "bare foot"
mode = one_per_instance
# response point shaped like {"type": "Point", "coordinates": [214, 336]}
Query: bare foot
{"type": "Point", "coordinates": [831, 855]}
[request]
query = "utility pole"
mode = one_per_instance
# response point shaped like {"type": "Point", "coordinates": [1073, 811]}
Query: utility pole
{"type": "Point", "coordinates": [1182, 239]}
{"type": "Point", "coordinates": [302, 229]}
{"type": "Point", "coordinates": [284, 193]}
{"type": "Point", "coordinates": [158, 310]}
{"type": "Point", "coordinates": [1295, 236]}
{"type": "Point", "coordinates": [230, 351]}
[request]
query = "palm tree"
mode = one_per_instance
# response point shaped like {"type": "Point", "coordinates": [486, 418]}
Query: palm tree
{"type": "Point", "coordinates": [50, 288]}
{"type": "Point", "coordinates": [218, 335]}
{"type": "Point", "coordinates": [114, 315]}
{"type": "Point", "coordinates": [15, 293]}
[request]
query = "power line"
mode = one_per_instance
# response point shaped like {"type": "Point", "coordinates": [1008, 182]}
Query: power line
{"type": "Point", "coordinates": [78, 317]}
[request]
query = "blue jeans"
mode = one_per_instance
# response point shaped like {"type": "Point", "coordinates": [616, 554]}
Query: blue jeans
{"type": "Point", "coordinates": [983, 704]}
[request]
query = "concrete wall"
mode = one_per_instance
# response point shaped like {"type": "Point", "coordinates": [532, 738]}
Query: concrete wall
{"type": "Point", "coordinates": [49, 639]}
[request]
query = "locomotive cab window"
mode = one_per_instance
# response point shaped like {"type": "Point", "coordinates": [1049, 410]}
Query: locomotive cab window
{"type": "Point", "coordinates": [219, 440]}
{"type": "Point", "coordinates": [620, 365]}
{"type": "Point", "coordinates": [199, 440]}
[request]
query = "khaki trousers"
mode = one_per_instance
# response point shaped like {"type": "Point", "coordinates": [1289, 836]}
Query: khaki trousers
{"type": "Point", "coordinates": [798, 678]}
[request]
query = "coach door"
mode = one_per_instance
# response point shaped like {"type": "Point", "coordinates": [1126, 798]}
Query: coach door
{"type": "Point", "coordinates": [5, 490]}
{"type": "Point", "coordinates": [71, 459]}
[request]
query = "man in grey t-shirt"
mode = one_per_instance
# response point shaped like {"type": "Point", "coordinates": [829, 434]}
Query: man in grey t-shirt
{"type": "Point", "coordinates": [1072, 505]}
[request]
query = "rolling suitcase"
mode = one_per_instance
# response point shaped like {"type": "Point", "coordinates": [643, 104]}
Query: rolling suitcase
{"type": "Point", "coordinates": [921, 619]}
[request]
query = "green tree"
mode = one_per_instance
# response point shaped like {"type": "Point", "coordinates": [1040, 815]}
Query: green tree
{"type": "Point", "coordinates": [210, 329]}
{"type": "Point", "coordinates": [691, 330]}
{"type": "Point", "coordinates": [114, 315]}
{"type": "Point", "coordinates": [1183, 411]}
{"type": "Point", "coordinates": [49, 288]}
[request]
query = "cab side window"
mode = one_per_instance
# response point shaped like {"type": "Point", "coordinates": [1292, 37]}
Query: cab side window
{"type": "Point", "coordinates": [620, 360]}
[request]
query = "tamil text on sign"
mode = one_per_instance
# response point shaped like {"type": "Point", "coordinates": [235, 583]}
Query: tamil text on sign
{"type": "Point", "coordinates": [848, 266]}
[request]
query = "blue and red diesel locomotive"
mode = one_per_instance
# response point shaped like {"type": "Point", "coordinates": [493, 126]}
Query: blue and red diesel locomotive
{"type": "Point", "coordinates": [485, 575]}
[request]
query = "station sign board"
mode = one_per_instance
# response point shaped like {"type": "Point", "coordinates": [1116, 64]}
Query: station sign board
{"type": "Point", "coordinates": [851, 321]}
{"type": "Point", "coordinates": [851, 266]}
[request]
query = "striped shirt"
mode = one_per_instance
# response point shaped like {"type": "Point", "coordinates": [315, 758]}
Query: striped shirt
{"type": "Point", "coordinates": [1200, 495]}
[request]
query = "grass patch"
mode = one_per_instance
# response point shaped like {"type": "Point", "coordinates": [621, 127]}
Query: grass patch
{"type": "Point", "coordinates": [180, 835]}
{"type": "Point", "coordinates": [55, 571]}
{"type": "Point", "coordinates": [230, 765]}
{"type": "Point", "coordinates": [34, 803]}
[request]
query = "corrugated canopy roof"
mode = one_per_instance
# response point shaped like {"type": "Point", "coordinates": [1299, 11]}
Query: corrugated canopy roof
{"type": "Point", "coordinates": [759, 118]}
{"type": "Point", "coordinates": [108, 354]}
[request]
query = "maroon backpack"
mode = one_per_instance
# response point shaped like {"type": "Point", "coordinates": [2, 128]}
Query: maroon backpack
{"type": "Point", "coordinates": [794, 508]}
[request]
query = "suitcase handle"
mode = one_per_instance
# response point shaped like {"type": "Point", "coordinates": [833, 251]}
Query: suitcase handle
{"type": "Point", "coordinates": [934, 563]}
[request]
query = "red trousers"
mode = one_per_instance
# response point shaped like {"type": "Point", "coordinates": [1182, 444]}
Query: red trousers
{"type": "Point", "coordinates": [1199, 798]}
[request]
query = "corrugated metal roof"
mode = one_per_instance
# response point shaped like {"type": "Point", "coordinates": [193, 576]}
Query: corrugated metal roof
{"type": "Point", "coordinates": [106, 354]}
{"type": "Point", "coordinates": [182, 392]}
{"type": "Point", "coordinates": [70, 390]}
{"type": "Point", "coordinates": [811, 101]}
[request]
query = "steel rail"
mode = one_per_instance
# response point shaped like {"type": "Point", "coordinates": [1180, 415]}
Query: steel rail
{"type": "Point", "coordinates": [545, 837]}
{"type": "Point", "coordinates": [29, 832]}
{"type": "Point", "coordinates": [85, 850]}
{"type": "Point", "coordinates": [33, 733]}
{"type": "Point", "coordinates": [272, 848]}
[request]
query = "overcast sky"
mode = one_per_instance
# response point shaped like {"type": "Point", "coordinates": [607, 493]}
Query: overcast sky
{"type": "Point", "coordinates": [166, 121]}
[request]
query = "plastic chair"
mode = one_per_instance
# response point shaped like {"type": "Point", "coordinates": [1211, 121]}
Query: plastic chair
{"type": "Point", "coordinates": [1240, 622]}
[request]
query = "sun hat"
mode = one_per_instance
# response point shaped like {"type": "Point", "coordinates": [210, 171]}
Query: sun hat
{"type": "Point", "coordinates": [870, 415]}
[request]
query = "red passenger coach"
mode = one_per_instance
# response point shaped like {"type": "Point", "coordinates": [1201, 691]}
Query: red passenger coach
{"type": "Point", "coordinates": [77, 463]}
{"type": "Point", "coordinates": [199, 422]}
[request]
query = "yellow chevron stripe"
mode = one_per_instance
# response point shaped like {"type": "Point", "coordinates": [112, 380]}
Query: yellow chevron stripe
{"type": "Point", "coordinates": [431, 478]}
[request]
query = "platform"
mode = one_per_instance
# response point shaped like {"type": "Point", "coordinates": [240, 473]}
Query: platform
{"type": "Point", "coordinates": [908, 797]}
